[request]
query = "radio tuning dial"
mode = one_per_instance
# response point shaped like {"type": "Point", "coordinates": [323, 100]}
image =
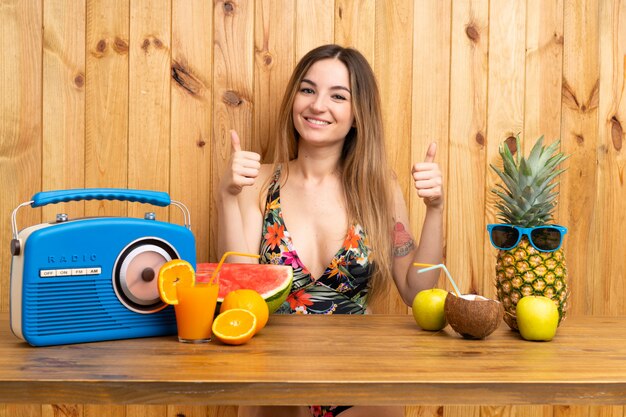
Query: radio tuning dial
{"type": "Point", "coordinates": [135, 274]}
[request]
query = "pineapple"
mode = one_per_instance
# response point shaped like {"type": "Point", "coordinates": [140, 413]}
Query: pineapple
{"type": "Point", "coordinates": [527, 199]}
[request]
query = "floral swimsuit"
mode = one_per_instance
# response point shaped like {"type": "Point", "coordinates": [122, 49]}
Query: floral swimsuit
{"type": "Point", "coordinates": [342, 288]}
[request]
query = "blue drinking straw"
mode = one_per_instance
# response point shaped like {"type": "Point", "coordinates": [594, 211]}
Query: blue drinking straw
{"type": "Point", "coordinates": [430, 267]}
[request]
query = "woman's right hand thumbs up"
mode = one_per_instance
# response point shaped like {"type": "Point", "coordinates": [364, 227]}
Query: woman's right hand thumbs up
{"type": "Point", "coordinates": [243, 167]}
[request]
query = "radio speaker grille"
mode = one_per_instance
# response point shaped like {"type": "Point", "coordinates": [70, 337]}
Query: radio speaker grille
{"type": "Point", "coordinates": [81, 305]}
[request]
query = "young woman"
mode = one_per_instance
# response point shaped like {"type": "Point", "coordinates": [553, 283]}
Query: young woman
{"type": "Point", "coordinates": [329, 205]}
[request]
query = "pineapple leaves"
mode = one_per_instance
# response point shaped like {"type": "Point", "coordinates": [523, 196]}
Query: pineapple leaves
{"type": "Point", "coordinates": [525, 169]}
{"type": "Point", "coordinates": [537, 150]}
{"type": "Point", "coordinates": [527, 195]}
{"type": "Point", "coordinates": [511, 183]}
{"type": "Point", "coordinates": [509, 163]}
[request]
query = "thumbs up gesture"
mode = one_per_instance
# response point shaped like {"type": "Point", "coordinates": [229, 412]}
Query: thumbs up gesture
{"type": "Point", "coordinates": [428, 179]}
{"type": "Point", "coordinates": [243, 168]}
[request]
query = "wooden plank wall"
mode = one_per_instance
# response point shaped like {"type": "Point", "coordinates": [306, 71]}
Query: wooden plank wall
{"type": "Point", "coordinates": [141, 94]}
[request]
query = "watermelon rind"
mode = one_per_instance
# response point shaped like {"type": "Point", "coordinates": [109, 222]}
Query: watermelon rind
{"type": "Point", "coordinates": [249, 276]}
{"type": "Point", "coordinates": [276, 300]}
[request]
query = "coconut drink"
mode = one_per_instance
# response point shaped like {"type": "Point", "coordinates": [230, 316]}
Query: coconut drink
{"type": "Point", "coordinates": [470, 315]}
{"type": "Point", "coordinates": [473, 316]}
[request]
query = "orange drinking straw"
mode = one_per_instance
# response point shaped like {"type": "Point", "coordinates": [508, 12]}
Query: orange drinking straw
{"type": "Point", "coordinates": [430, 267]}
{"type": "Point", "coordinates": [226, 255]}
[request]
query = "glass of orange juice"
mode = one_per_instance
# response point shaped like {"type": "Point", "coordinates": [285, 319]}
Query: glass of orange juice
{"type": "Point", "coordinates": [196, 307]}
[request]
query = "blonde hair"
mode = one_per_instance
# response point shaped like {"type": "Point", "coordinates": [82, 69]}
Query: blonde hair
{"type": "Point", "coordinates": [365, 174]}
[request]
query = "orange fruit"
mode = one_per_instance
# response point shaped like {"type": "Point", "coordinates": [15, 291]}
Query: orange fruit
{"type": "Point", "coordinates": [173, 273]}
{"type": "Point", "coordinates": [235, 326]}
{"type": "Point", "coordinates": [248, 300]}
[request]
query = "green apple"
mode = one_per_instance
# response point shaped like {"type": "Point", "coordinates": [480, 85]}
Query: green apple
{"type": "Point", "coordinates": [537, 318]}
{"type": "Point", "coordinates": [428, 309]}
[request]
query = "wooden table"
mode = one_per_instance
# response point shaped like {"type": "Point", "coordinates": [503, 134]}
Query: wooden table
{"type": "Point", "coordinates": [328, 360]}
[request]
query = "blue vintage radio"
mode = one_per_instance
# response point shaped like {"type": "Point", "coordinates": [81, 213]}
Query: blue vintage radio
{"type": "Point", "coordinates": [92, 279]}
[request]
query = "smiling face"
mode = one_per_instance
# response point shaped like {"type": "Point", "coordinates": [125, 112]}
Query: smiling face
{"type": "Point", "coordinates": [322, 109]}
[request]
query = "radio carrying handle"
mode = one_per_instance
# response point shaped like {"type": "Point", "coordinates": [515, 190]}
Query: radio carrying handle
{"type": "Point", "coordinates": [156, 198]}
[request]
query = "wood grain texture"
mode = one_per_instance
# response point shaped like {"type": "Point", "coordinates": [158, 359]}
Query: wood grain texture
{"type": "Point", "coordinates": [583, 365]}
{"type": "Point", "coordinates": [63, 103]}
{"type": "Point", "coordinates": [149, 101]}
{"type": "Point", "coordinates": [21, 35]}
{"type": "Point", "coordinates": [544, 69]}
{"type": "Point", "coordinates": [461, 411]}
{"type": "Point", "coordinates": [516, 411]}
{"type": "Point", "coordinates": [20, 410]}
{"type": "Point", "coordinates": [505, 109]}
{"type": "Point", "coordinates": [424, 411]}
{"type": "Point", "coordinates": [109, 410]}
{"type": "Point", "coordinates": [62, 410]}
{"type": "Point", "coordinates": [430, 103]}
{"type": "Point", "coordinates": [188, 411]}
{"type": "Point", "coordinates": [394, 51]}
{"type": "Point", "coordinates": [355, 26]}
{"type": "Point", "coordinates": [274, 53]}
{"type": "Point", "coordinates": [106, 101]}
{"type": "Point", "coordinates": [507, 40]}
{"type": "Point", "coordinates": [611, 193]}
{"type": "Point", "coordinates": [145, 410]}
{"type": "Point", "coordinates": [579, 206]}
{"type": "Point", "coordinates": [314, 25]}
{"type": "Point", "coordinates": [191, 131]}
{"type": "Point", "coordinates": [573, 411]}
{"type": "Point", "coordinates": [221, 411]}
{"type": "Point", "coordinates": [467, 170]}
{"type": "Point", "coordinates": [233, 77]}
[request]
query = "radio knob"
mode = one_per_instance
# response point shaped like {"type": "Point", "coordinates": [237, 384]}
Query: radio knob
{"type": "Point", "coordinates": [147, 274]}
{"type": "Point", "coordinates": [62, 217]}
{"type": "Point", "coordinates": [150, 216]}
{"type": "Point", "coordinates": [15, 247]}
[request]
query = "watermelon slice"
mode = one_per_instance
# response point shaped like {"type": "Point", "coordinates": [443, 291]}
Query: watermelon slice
{"type": "Point", "coordinates": [273, 282]}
